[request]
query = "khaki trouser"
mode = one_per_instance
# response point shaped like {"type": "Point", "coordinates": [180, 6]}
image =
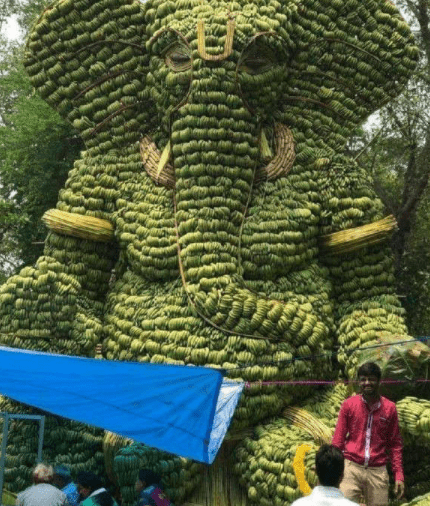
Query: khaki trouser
{"type": "Point", "coordinates": [371, 483]}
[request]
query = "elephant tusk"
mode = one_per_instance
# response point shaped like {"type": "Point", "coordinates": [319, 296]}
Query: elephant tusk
{"type": "Point", "coordinates": [162, 172]}
{"type": "Point", "coordinates": [157, 164]}
{"type": "Point", "coordinates": [284, 158]}
{"type": "Point", "coordinates": [265, 151]}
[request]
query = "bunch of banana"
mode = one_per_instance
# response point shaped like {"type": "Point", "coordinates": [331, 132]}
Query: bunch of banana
{"type": "Point", "coordinates": [414, 418]}
{"type": "Point", "coordinates": [326, 404]}
{"type": "Point", "coordinates": [338, 44]}
{"type": "Point", "coordinates": [111, 444]}
{"type": "Point", "coordinates": [80, 78]}
{"type": "Point", "coordinates": [422, 500]}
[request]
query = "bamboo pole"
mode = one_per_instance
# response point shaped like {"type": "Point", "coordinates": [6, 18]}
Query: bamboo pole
{"type": "Point", "coordinates": [219, 486]}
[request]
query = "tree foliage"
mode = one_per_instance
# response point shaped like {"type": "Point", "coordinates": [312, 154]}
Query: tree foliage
{"type": "Point", "coordinates": [37, 149]}
{"type": "Point", "coordinates": [395, 148]}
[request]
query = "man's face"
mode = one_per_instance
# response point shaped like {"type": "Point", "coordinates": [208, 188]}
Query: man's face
{"type": "Point", "coordinates": [369, 385]}
{"type": "Point", "coordinates": [84, 492]}
{"type": "Point", "coordinates": [139, 486]}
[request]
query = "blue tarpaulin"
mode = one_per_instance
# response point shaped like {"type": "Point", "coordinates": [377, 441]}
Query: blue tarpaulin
{"type": "Point", "coordinates": [184, 410]}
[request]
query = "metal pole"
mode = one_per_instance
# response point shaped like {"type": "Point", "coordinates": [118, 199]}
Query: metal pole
{"type": "Point", "coordinates": [3, 452]}
{"type": "Point", "coordinates": [41, 433]}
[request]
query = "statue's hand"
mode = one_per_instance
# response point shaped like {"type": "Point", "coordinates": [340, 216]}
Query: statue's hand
{"type": "Point", "coordinates": [407, 360]}
{"type": "Point", "coordinates": [42, 308]}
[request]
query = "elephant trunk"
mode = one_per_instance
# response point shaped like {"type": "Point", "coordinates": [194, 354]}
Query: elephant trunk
{"type": "Point", "coordinates": [214, 160]}
{"type": "Point", "coordinates": [215, 156]}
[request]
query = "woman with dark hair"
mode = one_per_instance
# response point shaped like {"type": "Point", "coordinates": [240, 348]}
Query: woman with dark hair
{"type": "Point", "coordinates": [148, 486]}
{"type": "Point", "coordinates": [92, 492]}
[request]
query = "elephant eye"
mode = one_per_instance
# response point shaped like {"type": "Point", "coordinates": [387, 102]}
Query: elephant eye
{"type": "Point", "coordinates": [257, 60]}
{"type": "Point", "coordinates": [178, 58]}
{"type": "Point", "coordinates": [255, 65]}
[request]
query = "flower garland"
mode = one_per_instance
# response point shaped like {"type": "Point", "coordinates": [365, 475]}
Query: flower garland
{"type": "Point", "coordinates": [299, 468]}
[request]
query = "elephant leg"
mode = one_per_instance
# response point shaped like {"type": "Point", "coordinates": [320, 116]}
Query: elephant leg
{"type": "Point", "coordinates": [264, 463]}
{"type": "Point", "coordinates": [268, 463]}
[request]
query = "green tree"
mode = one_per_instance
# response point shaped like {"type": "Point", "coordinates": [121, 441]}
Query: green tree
{"type": "Point", "coordinates": [396, 151]}
{"type": "Point", "coordinates": [37, 149]}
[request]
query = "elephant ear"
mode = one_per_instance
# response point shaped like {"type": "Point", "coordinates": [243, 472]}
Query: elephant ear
{"type": "Point", "coordinates": [87, 59]}
{"type": "Point", "coordinates": [352, 57]}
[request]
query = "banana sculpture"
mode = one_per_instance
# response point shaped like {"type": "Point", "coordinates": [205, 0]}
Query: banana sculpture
{"type": "Point", "coordinates": [213, 218]}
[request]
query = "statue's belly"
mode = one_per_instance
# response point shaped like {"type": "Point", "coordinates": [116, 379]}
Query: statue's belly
{"type": "Point", "coordinates": [279, 233]}
{"type": "Point", "coordinates": [151, 321]}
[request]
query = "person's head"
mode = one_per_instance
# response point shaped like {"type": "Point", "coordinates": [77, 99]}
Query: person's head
{"type": "Point", "coordinates": [369, 377]}
{"type": "Point", "coordinates": [42, 474]}
{"type": "Point", "coordinates": [62, 476]}
{"type": "Point", "coordinates": [87, 482]}
{"type": "Point", "coordinates": [146, 478]}
{"type": "Point", "coordinates": [329, 463]}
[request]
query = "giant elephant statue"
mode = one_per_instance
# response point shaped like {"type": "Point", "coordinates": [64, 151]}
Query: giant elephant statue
{"type": "Point", "coordinates": [213, 218]}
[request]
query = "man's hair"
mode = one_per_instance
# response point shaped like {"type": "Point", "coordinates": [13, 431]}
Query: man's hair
{"type": "Point", "coordinates": [63, 472]}
{"type": "Point", "coordinates": [43, 473]}
{"type": "Point", "coordinates": [89, 480]}
{"type": "Point", "coordinates": [329, 465]}
{"type": "Point", "coordinates": [369, 369]}
{"type": "Point", "coordinates": [149, 477]}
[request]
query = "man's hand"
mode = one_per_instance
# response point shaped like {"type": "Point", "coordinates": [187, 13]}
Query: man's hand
{"type": "Point", "coordinates": [399, 489]}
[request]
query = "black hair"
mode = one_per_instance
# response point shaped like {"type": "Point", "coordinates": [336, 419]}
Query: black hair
{"type": "Point", "coordinates": [149, 477]}
{"type": "Point", "coordinates": [330, 465]}
{"type": "Point", "coordinates": [369, 369]}
{"type": "Point", "coordinates": [87, 479]}
{"type": "Point", "coordinates": [62, 473]}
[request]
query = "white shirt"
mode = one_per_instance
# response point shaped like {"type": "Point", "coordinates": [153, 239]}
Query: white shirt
{"type": "Point", "coordinates": [40, 495]}
{"type": "Point", "coordinates": [324, 496]}
{"type": "Point", "coordinates": [98, 491]}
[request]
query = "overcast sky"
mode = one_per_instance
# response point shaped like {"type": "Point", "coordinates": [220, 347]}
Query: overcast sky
{"type": "Point", "coordinates": [11, 29]}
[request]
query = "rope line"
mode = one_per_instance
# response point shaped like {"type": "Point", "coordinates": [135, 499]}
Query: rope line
{"type": "Point", "coordinates": [329, 354]}
{"type": "Point", "coordinates": [248, 384]}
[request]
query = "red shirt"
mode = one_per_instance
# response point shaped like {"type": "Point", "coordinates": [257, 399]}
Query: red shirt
{"type": "Point", "coordinates": [368, 435]}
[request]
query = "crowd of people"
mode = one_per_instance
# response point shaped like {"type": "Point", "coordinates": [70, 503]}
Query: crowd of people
{"type": "Point", "coordinates": [351, 469]}
{"type": "Point", "coordinates": [53, 486]}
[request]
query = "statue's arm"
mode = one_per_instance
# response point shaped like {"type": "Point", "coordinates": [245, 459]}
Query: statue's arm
{"type": "Point", "coordinates": [57, 304]}
{"type": "Point", "coordinates": [367, 309]}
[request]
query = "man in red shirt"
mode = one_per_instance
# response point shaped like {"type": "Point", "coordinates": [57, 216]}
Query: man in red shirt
{"type": "Point", "coordinates": [367, 432]}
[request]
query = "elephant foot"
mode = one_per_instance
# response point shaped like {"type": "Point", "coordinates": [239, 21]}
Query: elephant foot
{"type": "Point", "coordinates": [276, 465]}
